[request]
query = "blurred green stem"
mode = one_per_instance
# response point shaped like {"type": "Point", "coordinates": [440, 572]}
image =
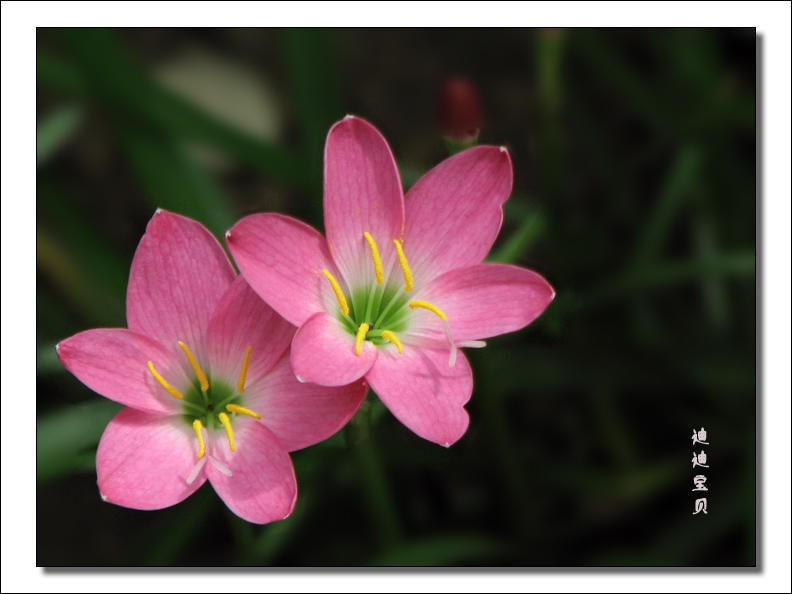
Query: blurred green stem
{"type": "Point", "coordinates": [378, 495]}
{"type": "Point", "coordinates": [504, 453]}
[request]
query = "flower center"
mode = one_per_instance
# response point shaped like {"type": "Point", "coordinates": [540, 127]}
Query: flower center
{"type": "Point", "coordinates": [207, 404]}
{"type": "Point", "coordinates": [376, 313]}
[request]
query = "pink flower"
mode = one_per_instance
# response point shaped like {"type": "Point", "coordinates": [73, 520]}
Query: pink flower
{"type": "Point", "coordinates": [399, 285]}
{"type": "Point", "coordinates": [204, 369]}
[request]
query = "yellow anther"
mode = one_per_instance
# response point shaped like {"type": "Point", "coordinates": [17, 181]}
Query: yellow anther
{"type": "Point", "coordinates": [426, 305]}
{"type": "Point", "coordinates": [242, 411]}
{"type": "Point", "coordinates": [408, 279]}
{"type": "Point", "coordinates": [171, 390]}
{"type": "Point", "coordinates": [197, 368]}
{"type": "Point", "coordinates": [338, 293]}
{"type": "Point", "coordinates": [375, 256]}
{"type": "Point", "coordinates": [388, 335]}
{"type": "Point", "coordinates": [229, 431]}
{"type": "Point", "coordinates": [361, 334]}
{"type": "Point", "coordinates": [197, 425]}
{"type": "Point", "coordinates": [243, 373]}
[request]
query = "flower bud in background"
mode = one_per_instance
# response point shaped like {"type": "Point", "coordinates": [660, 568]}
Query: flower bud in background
{"type": "Point", "coordinates": [459, 113]}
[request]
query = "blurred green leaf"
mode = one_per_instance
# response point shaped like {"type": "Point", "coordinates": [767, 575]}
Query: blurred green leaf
{"type": "Point", "coordinates": [54, 131]}
{"type": "Point", "coordinates": [653, 277]}
{"type": "Point", "coordinates": [119, 83]}
{"type": "Point", "coordinates": [58, 74]}
{"type": "Point", "coordinates": [680, 543]}
{"type": "Point", "coordinates": [444, 551]}
{"type": "Point", "coordinates": [172, 180]}
{"type": "Point", "coordinates": [675, 191]}
{"type": "Point", "coordinates": [596, 48]}
{"type": "Point", "coordinates": [178, 530]}
{"type": "Point", "coordinates": [88, 293]}
{"type": "Point", "coordinates": [316, 93]}
{"type": "Point", "coordinates": [522, 240]}
{"type": "Point", "coordinates": [62, 438]}
{"type": "Point", "coordinates": [92, 248]}
{"type": "Point", "coordinates": [47, 359]}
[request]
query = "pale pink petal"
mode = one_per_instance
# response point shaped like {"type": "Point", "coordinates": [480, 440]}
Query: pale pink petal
{"type": "Point", "coordinates": [144, 460]}
{"type": "Point", "coordinates": [300, 414]}
{"type": "Point", "coordinates": [114, 363]}
{"type": "Point", "coordinates": [323, 352]}
{"type": "Point", "coordinates": [241, 320]}
{"type": "Point", "coordinates": [262, 487]}
{"type": "Point", "coordinates": [486, 300]}
{"type": "Point", "coordinates": [453, 213]}
{"type": "Point", "coordinates": [423, 392]}
{"type": "Point", "coordinates": [179, 273]}
{"type": "Point", "coordinates": [282, 259]}
{"type": "Point", "coordinates": [362, 194]}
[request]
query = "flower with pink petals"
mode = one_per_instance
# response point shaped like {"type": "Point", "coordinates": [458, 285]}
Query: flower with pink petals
{"type": "Point", "coordinates": [399, 284]}
{"type": "Point", "coordinates": [204, 371]}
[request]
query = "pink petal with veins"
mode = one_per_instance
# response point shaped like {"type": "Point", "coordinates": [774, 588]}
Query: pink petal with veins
{"type": "Point", "coordinates": [144, 460]}
{"type": "Point", "coordinates": [262, 487]}
{"type": "Point", "coordinates": [302, 414]}
{"type": "Point", "coordinates": [179, 273]}
{"type": "Point", "coordinates": [423, 392]}
{"type": "Point", "coordinates": [282, 259]}
{"type": "Point", "coordinates": [362, 194]}
{"type": "Point", "coordinates": [453, 213]}
{"type": "Point", "coordinates": [114, 363]}
{"type": "Point", "coordinates": [323, 353]}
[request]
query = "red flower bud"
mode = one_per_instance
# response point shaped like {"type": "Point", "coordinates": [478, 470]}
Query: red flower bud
{"type": "Point", "coordinates": [459, 110]}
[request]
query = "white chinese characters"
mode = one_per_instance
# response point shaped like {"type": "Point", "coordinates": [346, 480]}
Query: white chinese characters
{"type": "Point", "coordinates": [700, 460]}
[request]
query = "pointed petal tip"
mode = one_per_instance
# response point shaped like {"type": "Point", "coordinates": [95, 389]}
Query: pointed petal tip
{"type": "Point", "coordinates": [103, 496]}
{"type": "Point", "coordinates": [299, 379]}
{"type": "Point", "coordinates": [159, 210]}
{"type": "Point", "coordinates": [446, 445]}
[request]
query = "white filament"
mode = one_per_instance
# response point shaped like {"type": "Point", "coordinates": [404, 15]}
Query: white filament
{"type": "Point", "coordinates": [219, 465]}
{"type": "Point", "coordinates": [196, 469]}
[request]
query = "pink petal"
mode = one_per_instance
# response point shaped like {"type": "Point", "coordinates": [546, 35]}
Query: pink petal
{"type": "Point", "coordinates": [487, 300]}
{"type": "Point", "coordinates": [453, 213]}
{"type": "Point", "coordinates": [423, 392]}
{"type": "Point", "coordinates": [242, 319]}
{"type": "Point", "coordinates": [179, 273]}
{"type": "Point", "coordinates": [114, 363]}
{"type": "Point", "coordinates": [282, 259]}
{"type": "Point", "coordinates": [362, 193]}
{"type": "Point", "coordinates": [323, 352]}
{"type": "Point", "coordinates": [143, 460]}
{"type": "Point", "coordinates": [262, 487]}
{"type": "Point", "coordinates": [301, 415]}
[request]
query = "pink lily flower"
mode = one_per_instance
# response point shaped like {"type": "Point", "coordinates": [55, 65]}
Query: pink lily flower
{"type": "Point", "coordinates": [398, 286]}
{"type": "Point", "coordinates": [204, 371]}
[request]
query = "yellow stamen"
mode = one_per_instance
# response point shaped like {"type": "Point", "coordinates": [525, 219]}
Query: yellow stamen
{"type": "Point", "coordinates": [338, 293]}
{"type": "Point", "coordinates": [171, 390]}
{"type": "Point", "coordinates": [197, 368]}
{"type": "Point", "coordinates": [243, 373]}
{"type": "Point", "coordinates": [408, 279]}
{"type": "Point", "coordinates": [361, 334]}
{"type": "Point", "coordinates": [388, 335]}
{"type": "Point", "coordinates": [234, 408]}
{"type": "Point", "coordinates": [426, 305]}
{"type": "Point", "coordinates": [197, 425]}
{"type": "Point", "coordinates": [375, 257]}
{"type": "Point", "coordinates": [229, 431]}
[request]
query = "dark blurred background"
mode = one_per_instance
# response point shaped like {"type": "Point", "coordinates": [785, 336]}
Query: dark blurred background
{"type": "Point", "coordinates": [634, 158]}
